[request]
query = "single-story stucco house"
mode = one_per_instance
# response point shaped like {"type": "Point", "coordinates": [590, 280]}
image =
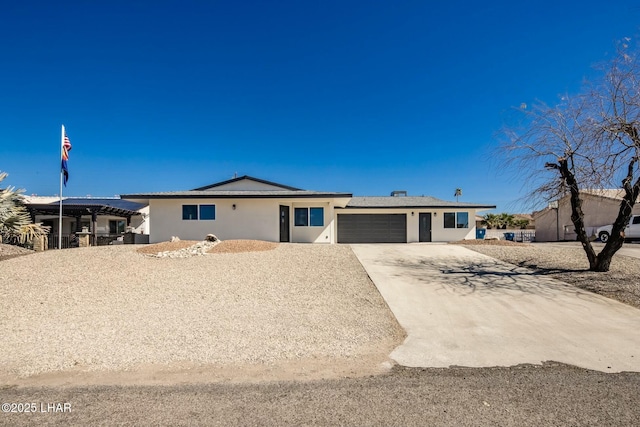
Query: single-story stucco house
{"type": "Point", "coordinates": [252, 208]}
{"type": "Point", "coordinates": [600, 208]}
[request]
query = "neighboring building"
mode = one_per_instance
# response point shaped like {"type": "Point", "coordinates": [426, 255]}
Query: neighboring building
{"type": "Point", "coordinates": [252, 208]}
{"type": "Point", "coordinates": [600, 208]}
{"type": "Point", "coordinates": [105, 218]}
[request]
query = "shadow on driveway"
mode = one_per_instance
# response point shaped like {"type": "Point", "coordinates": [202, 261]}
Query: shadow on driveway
{"type": "Point", "coordinates": [463, 308]}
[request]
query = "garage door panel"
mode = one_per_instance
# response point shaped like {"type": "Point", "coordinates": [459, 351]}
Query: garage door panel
{"type": "Point", "coordinates": [372, 228]}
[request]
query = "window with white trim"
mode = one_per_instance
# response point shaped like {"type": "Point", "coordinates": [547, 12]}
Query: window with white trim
{"type": "Point", "coordinates": [198, 212]}
{"type": "Point", "coordinates": [308, 217]}
{"type": "Point", "coordinates": [456, 220]}
{"type": "Point", "coordinates": [207, 212]}
{"type": "Point", "coordinates": [190, 212]}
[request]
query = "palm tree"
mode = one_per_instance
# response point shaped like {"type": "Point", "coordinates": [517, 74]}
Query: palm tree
{"type": "Point", "coordinates": [491, 220]}
{"type": "Point", "coordinates": [458, 193]}
{"type": "Point", "coordinates": [505, 220]}
{"type": "Point", "coordinates": [521, 223]}
{"type": "Point", "coordinates": [15, 222]}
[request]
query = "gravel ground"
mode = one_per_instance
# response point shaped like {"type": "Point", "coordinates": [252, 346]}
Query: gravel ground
{"type": "Point", "coordinates": [570, 265]}
{"type": "Point", "coordinates": [237, 246]}
{"type": "Point", "coordinates": [166, 246]}
{"type": "Point", "coordinates": [226, 246]}
{"type": "Point", "coordinates": [12, 251]}
{"type": "Point", "coordinates": [113, 309]}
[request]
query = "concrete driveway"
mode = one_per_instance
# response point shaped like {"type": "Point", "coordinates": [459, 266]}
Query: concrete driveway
{"type": "Point", "coordinates": [462, 308]}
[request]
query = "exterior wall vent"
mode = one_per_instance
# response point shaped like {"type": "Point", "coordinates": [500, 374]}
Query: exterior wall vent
{"type": "Point", "coordinates": [398, 193]}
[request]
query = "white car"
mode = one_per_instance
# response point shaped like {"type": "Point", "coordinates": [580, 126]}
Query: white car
{"type": "Point", "coordinates": [631, 231]}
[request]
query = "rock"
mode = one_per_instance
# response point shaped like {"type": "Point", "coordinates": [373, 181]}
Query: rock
{"type": "Point", "coordinates": [211, 238]}
{"type": "Point", "coordinates": [200, 248]}
{"type": "Point", "coordinates": [175, 239]}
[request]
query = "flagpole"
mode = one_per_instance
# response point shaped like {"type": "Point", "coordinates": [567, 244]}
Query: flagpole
{"type": "Point", "coordinates": [61, 173]}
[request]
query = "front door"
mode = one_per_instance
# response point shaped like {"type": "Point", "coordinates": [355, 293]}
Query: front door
{"type": "Point", "coordinates": [425, 227]}
{"type": "Point", "coordinates": [284, 223]}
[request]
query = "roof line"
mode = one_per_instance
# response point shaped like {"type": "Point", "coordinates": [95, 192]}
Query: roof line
{"type": "Point", "coordinates": [419, 207]}
{"type": "Point", "coordinates": [229, 181]}
{"type": "Point", "coordinates": [233, 196]}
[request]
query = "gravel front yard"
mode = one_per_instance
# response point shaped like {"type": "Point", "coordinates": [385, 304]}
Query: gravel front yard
{"type": "Point", "coordinates": [113, 309]}
{"type": "Point", "coordinates": [570, 265]}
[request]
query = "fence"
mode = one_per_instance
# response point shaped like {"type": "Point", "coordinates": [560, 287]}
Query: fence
{"type": "Point", "coordinates": [519, 235]}
{"type": "Point", "coordinates": [53, 241]}
{"type": "Point", "coordinates": [100, 240]}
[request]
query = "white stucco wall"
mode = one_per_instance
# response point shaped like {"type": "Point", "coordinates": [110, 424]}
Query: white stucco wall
{"type": "Point", "coordinates": [438, 232]}
{"type": "Point", "coordinates": [441, 234]}
{"type": "Point", "coordinates": [251, 219]}
{"type": "Point", "coordinates": [310, 234]}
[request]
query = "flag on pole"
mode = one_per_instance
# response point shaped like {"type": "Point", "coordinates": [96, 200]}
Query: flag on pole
{"type": "Point", "coordinates": [66, 147]}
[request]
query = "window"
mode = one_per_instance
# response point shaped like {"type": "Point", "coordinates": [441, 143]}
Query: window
{"type": "Point", "coordinates": [304, 217]}
{"type": "Point", "coordinates": [449, 220]}
{"type": "Point", "coordinates": [636, 220]}
{"type": "Point", "coordinates": [456, 220]}
{"type": "Point", "coordinates": [117, 226]}
{"type": "Point", "coordinates": [462, 220]}
{"type": "Point", "coordinates": [189, 212]}
{"type": "Point", "coordinates": [301, 217]}
{"type": "Point", "coordinates": [207, 211]}
{"type": "Point", "coordinates": [316, 217]}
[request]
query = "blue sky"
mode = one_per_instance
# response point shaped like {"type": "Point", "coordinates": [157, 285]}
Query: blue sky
{"type": "Point", "coordinates": [358, 96]}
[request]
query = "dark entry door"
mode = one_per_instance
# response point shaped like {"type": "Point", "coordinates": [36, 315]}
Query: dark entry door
{"type": "Point", "coordinates": [425, 227]}
{"type": "Point", "coordinates": [284, 223]}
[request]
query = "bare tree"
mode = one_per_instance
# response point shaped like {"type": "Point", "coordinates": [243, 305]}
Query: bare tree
{"type": "Point", "coordinates": [588, 141]}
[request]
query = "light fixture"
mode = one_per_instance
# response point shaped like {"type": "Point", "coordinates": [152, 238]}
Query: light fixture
{"type": "Point", "coordinates": [435, 214]}
{"type": "Point", "coordinates": [413, 213]}
{"type": "Point", "coordinates": [233, 206]}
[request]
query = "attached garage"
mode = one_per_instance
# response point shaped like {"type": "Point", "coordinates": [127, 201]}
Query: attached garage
{"type": "Point", "coordinates": [372, 228]}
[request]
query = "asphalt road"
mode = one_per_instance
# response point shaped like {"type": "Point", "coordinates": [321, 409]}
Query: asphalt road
{"type": "Point", "coordinates": [525, 395]}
